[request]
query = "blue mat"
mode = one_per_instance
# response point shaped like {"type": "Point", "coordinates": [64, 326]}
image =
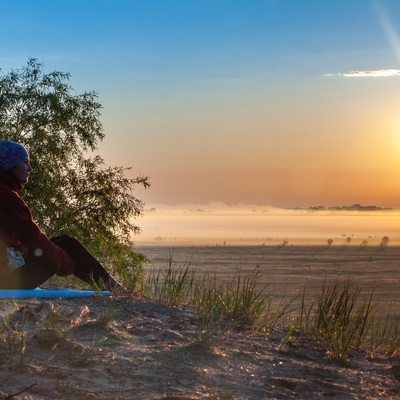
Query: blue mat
{"type": "Point", "coordinates": [50, 293]}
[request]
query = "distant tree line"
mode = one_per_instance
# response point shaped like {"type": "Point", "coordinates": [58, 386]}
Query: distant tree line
{"type": "Point", "coordinates": [354, 207]}
{"type": "Point", "coordinates": [383, 244]}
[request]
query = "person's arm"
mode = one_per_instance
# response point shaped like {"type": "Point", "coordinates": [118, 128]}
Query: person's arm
{"type": "Point", "coordinates": [18, 219]}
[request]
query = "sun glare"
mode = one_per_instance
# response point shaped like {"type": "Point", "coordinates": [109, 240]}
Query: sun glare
{"type": "Point", "coordinates": [396, 139]}
{"type": "Point", "coordinates": [388, 29]}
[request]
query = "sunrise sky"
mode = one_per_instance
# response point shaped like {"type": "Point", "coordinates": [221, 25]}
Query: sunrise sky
{"type": "Point", "coordinates": [265, 102]}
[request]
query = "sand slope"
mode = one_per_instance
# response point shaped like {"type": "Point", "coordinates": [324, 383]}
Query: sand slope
{"type": "Point", "coordinates": [108, 348]}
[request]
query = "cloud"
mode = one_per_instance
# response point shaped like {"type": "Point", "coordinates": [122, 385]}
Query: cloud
{"type": "Point", "coordinates": [380, 73]}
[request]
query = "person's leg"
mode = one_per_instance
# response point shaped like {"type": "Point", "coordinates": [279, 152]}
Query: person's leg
{"type": "Point", "coordinates": [88, 268]}
{"type": "Point", "coordinates": [29, 276]}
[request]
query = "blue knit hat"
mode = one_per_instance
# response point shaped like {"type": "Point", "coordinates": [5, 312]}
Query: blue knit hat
{"type": "Point", "coordinates": [11, 154]}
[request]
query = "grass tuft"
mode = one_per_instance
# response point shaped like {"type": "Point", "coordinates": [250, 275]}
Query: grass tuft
{"type": "Point", "coordinates": [341, 317]}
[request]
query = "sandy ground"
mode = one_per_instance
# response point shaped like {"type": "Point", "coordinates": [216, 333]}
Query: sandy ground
{"type": "Point", "coordinates": [112, 348]}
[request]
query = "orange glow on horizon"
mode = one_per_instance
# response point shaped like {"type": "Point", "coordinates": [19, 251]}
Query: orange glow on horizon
{"type": "Point", "coordinates": [202, 225]}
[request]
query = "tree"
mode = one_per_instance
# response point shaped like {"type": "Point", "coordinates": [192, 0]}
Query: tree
{"type": "Point", "coordinates": [71, 191]}
{"type": "Point", "coordinates": [384, 242]}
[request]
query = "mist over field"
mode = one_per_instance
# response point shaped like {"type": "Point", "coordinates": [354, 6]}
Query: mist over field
{"type": "Point", "coordinates": [223, 224]}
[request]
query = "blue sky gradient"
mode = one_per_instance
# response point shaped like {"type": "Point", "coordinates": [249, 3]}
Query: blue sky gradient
{"type": "Point", "coordinates": [231, 101]}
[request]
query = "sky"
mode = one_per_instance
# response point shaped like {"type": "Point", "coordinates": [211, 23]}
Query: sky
{"type": "Point", "coordinates": [276, 103]}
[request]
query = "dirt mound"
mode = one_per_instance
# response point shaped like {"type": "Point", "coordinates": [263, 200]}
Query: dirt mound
{"type": "Point", "coordinates": [110, 348]}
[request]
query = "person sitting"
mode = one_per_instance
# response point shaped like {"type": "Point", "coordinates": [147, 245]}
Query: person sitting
{"type": "Point", "coordinates": [28, 258]}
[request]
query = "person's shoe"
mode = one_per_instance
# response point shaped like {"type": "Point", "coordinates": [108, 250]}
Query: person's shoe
{"type": "Point", "coordinates": [116, 288]}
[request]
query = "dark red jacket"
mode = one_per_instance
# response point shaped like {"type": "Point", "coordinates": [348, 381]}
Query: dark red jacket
{"type": "Point", "coordinates": [20, 231]}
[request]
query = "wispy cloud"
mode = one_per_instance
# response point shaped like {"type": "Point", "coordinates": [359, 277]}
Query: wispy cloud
{"type": "Point", "coordinates": [380, 73]}
{"type": "Point", "coordinates": [388, 28]}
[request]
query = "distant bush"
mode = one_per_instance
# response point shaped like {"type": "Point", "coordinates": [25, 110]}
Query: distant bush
{"type": "Point", "coordinates": [384, 242]}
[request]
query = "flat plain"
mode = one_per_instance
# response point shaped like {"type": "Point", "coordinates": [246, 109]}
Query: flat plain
{"type": "Point", "coordinates": [289, 269]}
